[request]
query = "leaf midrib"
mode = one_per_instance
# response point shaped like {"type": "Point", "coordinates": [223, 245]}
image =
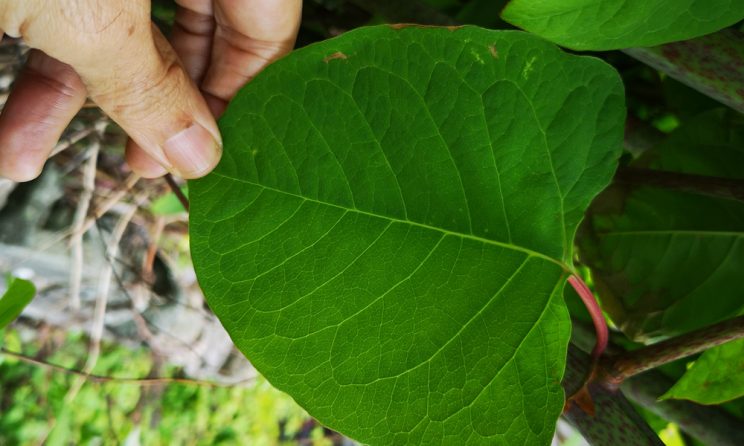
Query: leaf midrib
{"type": "Point", "coordinates": [514, 247]}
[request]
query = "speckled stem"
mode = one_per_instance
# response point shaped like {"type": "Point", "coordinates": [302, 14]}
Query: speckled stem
{"type": "Point", "coordinates": [710, 425]}
{"type": "Point", "coordinates": [616, 369]}
{"type": "Point", "coordinates": [604, 416]}
{"type": "Point", "coordinates": [712, 64]}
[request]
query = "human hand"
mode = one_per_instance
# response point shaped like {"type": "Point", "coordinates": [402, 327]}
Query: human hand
{"type": "Point", "coordinates": [109, 50]}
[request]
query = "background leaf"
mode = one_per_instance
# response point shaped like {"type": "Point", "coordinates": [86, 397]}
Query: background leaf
{"type": "Point", "coordinates": [19, 294]}
{"type": "Point", "coordinates": [714, 378]}
{"type": "Point", "coordinates": [667, 262]}
{"type": "Point", "coordinates": [389, 231]}
{"type": "Point", "coordinates": [616, 24]}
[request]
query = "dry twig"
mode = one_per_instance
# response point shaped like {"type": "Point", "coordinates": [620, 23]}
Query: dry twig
{"type": "Point", "coordinates": [115, 380]}
{"type": "Point", "coordinates": [81, 213]}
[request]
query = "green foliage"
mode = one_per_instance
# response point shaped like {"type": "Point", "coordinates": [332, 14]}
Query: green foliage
{"type": "Point", "coordinates": [32, 404]}
{"type": "Point", "coordinates": [19, 294]}
{"type": "Point", "coordinates": [388, 234]}
{"type": "Point", "coordinates": [714, 378]}
{"type": "Point", "coordinates": [241, 415]}
{"type": "Point", "coordinates": [664, 261]}
{"type": "Point", "coordinates": [169, 204]}
{"type": "Point", "coordinates": [615, 24]}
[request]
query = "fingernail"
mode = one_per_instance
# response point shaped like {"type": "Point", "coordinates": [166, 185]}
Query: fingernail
{"type": "Point", "coordinates": [193, 152]}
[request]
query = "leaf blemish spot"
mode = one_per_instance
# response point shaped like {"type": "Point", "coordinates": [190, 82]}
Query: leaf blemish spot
{"type": "Point", "coordinates": [477, 56]}
{"type": "Point", "coordinates": [494, 52]}
{"type": "Point", "coordinates": [528, 67]}
{"type": "Point", "coordinates": [336, 55]}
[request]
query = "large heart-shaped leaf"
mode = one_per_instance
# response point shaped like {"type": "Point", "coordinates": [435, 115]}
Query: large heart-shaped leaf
{"type": "Point", "coordinates": [667, 262]}
{"type": "Point", "coordinates": [615, 24]}
{"type": "Point", "coordinates": [389, 231]}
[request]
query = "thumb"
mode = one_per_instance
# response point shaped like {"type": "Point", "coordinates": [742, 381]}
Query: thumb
{"type": "Point", "coordinates": [134, 75]}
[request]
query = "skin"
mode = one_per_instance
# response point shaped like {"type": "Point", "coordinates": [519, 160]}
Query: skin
{"type": "Point", "coordinates": [164, 94]}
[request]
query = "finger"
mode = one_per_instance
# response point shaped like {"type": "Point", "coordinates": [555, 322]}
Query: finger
{"type": "Point", "coordinates": [134, 75]}
{"type": "Point", "coordinates": [216, 105]}
{"type": "Point", "coordinates": [250, 34]}
{"type": "Point", "coordinates": [142, 163]}
{"type": "Point", "coordinates": [46, 96]}
{"type": "Point", "coordinates": [191, 38]}
{"type": "Point", "coordinates": [192, 35]}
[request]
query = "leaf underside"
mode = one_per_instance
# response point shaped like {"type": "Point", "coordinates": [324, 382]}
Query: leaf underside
{"type": "Point", "coordinates": [616, 24]}
{"type": "Point", "coordinates": [388, 233]}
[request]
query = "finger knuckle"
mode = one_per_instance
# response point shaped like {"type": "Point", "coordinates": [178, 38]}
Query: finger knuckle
{"type": "Point", "coordinates": [146, 94]}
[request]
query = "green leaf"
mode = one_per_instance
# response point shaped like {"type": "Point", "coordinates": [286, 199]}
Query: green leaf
{"type": "Point", "coordinates": [389, 232]}
{"type": "Point", "coordinates": [714, 378]}
{"type": "Point", "coordinates": [667, 262]}
{"type": "Point", "coordinates": [19, 293]}
{"type": "Point", "coordinates": [616, 24]}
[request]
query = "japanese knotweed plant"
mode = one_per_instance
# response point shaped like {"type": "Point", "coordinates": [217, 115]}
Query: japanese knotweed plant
{"type": "Point", "coordinates": [388, 236]}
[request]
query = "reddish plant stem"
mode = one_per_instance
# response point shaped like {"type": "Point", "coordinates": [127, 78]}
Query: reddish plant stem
{"type": "Point", "coordinates": [600, 325]}
{"type": "Point", "coordinates": [583, 396]}
{"type": "Point", "coordinates": [617, 369]}
{"type": "Point", "coordinates": [177, 191]}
